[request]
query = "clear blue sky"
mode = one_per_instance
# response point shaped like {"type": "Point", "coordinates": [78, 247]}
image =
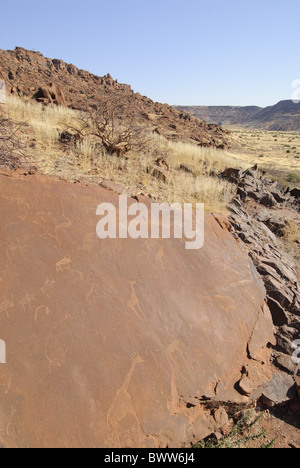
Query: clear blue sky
{"type": "Point", "coordinates": [234, 52]}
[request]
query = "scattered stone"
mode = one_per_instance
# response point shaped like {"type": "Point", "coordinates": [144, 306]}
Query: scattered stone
{"type": "Point", "coordinates": [295, 193]}
{"type": "Point", "coordinates": [69, 138]}
{"type": "Point", "coordinates": [297, 382]}
{"type": "Point", "coordinates": [277, 226]}
{"type": "Point", "coordinates": [221, 417]}
{"type": "Point", "coordinates": [186, 168]}
{"type": "Point", "coordinates": [159, 173]}
{"type": "Point", "coordinates": [245, 386]}
{"type": "Point", "coordinates": [286, 364]}
{"type": "Point", "coordinates": [268, 200]}
{"type": "Point", "coordinates": [278, 196]}
{"type": "Point", "coordinates": [161, 162]}
{"type": "Point", "coordinates": [50, 94]}
{"type": "Point", "coordinates": [281, 269]}
{"type": "Point", "coordinates": [284, 344]}
{"type": "Point", "coordinates": [279, 390]}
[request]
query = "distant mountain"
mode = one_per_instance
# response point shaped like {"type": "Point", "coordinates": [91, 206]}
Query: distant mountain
{"type": "Point", "coordinates": [284, 116]}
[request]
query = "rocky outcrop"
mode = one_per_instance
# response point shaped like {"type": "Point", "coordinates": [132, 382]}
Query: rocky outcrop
{"type": "Point", "coordinates": [260, 215]}
{"type": "Point", "coordinates": [50, 94]}
{"type": "Point", "coordinates": [120, 343]}
{"type": "Point", "coordinates": [28, 74]}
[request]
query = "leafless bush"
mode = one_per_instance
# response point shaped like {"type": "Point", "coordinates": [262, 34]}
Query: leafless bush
{"type": "Point", "coordinates": [115, 124]}
{"type": "Point", "coordinates": [10, 146]}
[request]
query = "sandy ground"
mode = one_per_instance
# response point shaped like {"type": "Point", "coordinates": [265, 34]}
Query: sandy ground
{"type": "Point", "coordinates": [276, 152]}
{"type": "Point", "coordinates": [282, 424]}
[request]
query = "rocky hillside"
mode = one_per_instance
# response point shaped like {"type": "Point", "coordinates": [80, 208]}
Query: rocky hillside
{"type": "Point", "coordinates": [30, 75]}
{"type": "Point", "coordinates": [284, 116]}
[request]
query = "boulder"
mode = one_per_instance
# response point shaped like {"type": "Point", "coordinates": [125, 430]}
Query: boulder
{"type": "Point", "coordinates": [187, 169]}
{"type": "Point", "coordinates": [279, 390]}
{"type": "Point", "coordinates": [279, 292]}
{"type": "Point", "coordinates": [279, 197]}
{"type": "Point", "coordinates": [50, 94]}
{"type": "Point", "coordinates": [119, 342]}
{"type": "Point", "coordinates": [286, 364]}
{"type": "Point", "coordinates": [285, 338]}
{"type": "Point", "coordinates": [282, 270]}
{"type": "Point", "coordinates": [267, 200]}
{"type": "Point", "coordinates": [159, 173]}
{"type": "Point", "coordinates": [277, 226]}
{"type": "Point", "coordinates": [233, 175]}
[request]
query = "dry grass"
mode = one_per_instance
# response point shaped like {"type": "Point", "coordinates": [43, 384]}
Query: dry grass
{"type": "Point", "coordinates": [276, 152]}
{"type": "Point", "coordinates": [45, 124]}
{"type": "Point", "coordinates": [291, 232]}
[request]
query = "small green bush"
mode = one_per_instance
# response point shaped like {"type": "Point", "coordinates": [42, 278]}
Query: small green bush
{"type": "Point", "coordinates": [294, 178]}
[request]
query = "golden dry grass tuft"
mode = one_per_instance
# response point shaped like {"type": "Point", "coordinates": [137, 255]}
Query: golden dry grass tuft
{"type": "Point", "coordinates": [192, 175]}
{"type": "Point", "coordinates": [291, 232]}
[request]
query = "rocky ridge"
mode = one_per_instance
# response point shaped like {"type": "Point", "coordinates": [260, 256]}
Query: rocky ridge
{"type": "Point", "coordinates": [261, 214]}
{"type": "Point", "coordinates": [30, 75]}
{"type": "Point", "coordinates": [283, 116]}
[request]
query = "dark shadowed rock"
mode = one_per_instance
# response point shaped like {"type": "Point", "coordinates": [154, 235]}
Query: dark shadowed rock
{"type": "Point", "coordinates": [277, 226]}
{"type": "Point", "coordinates": [268, 200]}
{"type": "Point", "coordinates": [295, 193]}
{"type": "Point", "coordinates": [278, 313]}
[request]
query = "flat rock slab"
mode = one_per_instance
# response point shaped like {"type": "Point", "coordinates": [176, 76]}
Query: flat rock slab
{"type": "Point", "coordinates": [280, 389]}
{"type": "Point", "coordinates": [114, 343]}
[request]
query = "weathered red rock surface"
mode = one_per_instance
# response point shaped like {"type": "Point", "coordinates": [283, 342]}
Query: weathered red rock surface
{"type": "Point", "coordinates": [115, 343]}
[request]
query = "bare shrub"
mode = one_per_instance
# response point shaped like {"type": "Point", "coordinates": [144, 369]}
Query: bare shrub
{"type": "Point", "coordinates": [115, 124]}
